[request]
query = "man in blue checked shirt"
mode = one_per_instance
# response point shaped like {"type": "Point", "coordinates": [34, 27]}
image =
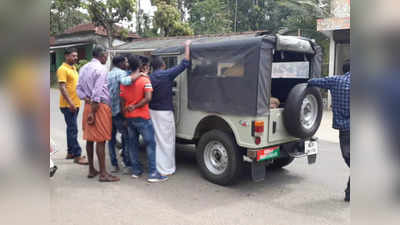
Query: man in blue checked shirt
{"type": "Point", "coordinates": [339, 86]}
{"type": "Point", "coordinates": [118, 75]}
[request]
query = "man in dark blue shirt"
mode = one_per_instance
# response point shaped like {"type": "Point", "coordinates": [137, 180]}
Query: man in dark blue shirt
{"type": "Point", "coordinates": [162, 110]}
{"type": "Point", "coordinates": [339, 86]}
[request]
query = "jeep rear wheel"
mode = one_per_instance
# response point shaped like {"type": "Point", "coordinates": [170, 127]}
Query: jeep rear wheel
{"type": "Point", "coordinates": [303, 111]}
{"type": "Point", "coordinates": [219, 157]}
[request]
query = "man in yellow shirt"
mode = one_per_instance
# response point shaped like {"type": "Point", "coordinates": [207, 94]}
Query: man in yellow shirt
{"type": "Point", "coordinates": [69, 103]}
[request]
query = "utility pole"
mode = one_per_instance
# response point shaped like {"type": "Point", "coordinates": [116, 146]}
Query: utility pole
{"type": "Point", "coordinates": [138, 22]}
{"type": "Point", "coordinates": [236, 16]}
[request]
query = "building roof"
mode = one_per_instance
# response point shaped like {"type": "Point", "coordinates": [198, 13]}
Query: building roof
{"type": "Point", "coordinates": [99, 30]}
{"type": "Point", "coordinates": [156, 43]}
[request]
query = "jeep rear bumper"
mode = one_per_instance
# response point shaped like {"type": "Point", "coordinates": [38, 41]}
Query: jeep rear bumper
{"type": "Point", "coordinates": [259, 158]}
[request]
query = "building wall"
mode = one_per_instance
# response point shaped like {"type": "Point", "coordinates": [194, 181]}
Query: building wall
{"type": "Point", "coordinates": [337, 28]}
{"type": "Point", "coordinates": [59, 59]}
{"type": "Point", "coordinates": [339, 19]}
{"type": "Point", "coordinates": [87, 49]}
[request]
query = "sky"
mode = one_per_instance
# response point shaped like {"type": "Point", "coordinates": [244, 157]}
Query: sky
{"type": "Point", "coordinates": [145, 5]}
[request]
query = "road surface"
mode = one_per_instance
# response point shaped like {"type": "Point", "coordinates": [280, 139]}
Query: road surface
{"type": "Point", "coordinates": [298, 194]}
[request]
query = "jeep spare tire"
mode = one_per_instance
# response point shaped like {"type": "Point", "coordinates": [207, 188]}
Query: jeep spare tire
{"type": "Point", "coordinates": [303, 111]}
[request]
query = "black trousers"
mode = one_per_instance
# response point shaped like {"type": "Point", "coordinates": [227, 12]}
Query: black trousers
{"type": "Point", "coordinates": [344, 137]}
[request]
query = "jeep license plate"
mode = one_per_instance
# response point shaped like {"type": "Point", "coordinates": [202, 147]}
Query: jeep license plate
{"type": "Point", "coordinates": [268, 153]}
{"type": "Point", "coordinates": [311, 147]}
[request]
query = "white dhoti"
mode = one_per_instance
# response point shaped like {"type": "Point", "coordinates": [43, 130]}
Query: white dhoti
{"type": "Point", "coordinates": [51, 163]}
{"type": "Point", "coordinates": [164, 127]}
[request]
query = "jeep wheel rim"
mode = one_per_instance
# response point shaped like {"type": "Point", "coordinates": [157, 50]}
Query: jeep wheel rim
{"type": "Point", "coordinates": [216, 157]}
{"type": "Point", "coordinates": [309, 111]}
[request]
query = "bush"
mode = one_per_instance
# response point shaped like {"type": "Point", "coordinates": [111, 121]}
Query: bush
{"type": "Point", "coordinates": [53, 79]}
{"type": "Point", "coordinates": [81, 63]}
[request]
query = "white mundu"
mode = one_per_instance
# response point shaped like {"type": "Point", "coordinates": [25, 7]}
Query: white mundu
{"type": "Point", "coordinates": [164, 127]}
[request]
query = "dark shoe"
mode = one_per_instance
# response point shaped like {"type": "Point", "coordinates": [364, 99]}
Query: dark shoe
{"type": "Point", "coordinates": [53, 170]}
{"type": "Point", "coordinates": [69, 156]}
{"type": "Point", "coordinates": [347, 196]}
{"type": "Point", "coordinates": [136, 175]}
{"type": "Point", "coordinates": [154, 178]}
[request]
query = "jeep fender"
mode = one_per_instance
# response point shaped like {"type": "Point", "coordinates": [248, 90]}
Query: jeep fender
{"type": "Point", "coordinates": [215, 122]}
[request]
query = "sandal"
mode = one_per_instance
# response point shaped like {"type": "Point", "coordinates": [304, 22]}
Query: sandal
{"type": "Point", "coordinates": [93, 175]}
{"type": "Point", "coordinates": [108, 178]}
{"type": "Point", "coordinates": [81, 160]}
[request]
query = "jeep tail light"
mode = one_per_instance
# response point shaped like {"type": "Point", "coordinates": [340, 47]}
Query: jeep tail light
{"type": "Point", "coordinates": [257, 131]}
{"type": "Point", "coordinates": [257, 140]}
{"type": "Point", "coordinates": [258, 128]}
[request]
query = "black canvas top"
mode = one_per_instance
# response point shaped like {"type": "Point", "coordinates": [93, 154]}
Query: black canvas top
{"type": "Point", "coordinates": [233, 76]}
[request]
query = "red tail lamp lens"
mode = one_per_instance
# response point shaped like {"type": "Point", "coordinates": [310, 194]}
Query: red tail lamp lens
{"type": "Point", "coordinates": [258, 126]}
{"type": "Point", "coordinates": [257, 140]}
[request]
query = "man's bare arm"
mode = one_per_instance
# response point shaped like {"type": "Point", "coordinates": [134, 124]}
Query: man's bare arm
{"type": "Point", "coordinates": [122, 104]}
{"type": "Point", "coordinates": [64, 93]}
{"type": "Point", "coordinates": [95, 107]}
{"type": "Point", "coordinates": [135, 76]}
{"type": "Point", "coordinates": [187, 49]}
{"type": "Point", "coordinates": [92, 115]}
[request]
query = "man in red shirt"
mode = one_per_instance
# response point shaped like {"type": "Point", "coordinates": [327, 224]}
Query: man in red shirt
{"type": "Point", "coordinates": [135, 100]}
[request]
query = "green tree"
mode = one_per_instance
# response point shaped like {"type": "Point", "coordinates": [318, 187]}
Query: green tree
{"type": "Point", "coordinates": [147, 30]}
{"type": "Point", "coordinates": [303, 20]}
{"type": "Point", "coordinates": [304, 15]}
{"type": "Point", "coordinates": [168, 2]}
{"type": "Point", "coordinates": [209, 17]}
{"type": "Point", "coordinates": [167, 18]}
{"type": "Point", "coordinates": [65, 14]}
{"type": "Point", "coordinates": [107, 13]}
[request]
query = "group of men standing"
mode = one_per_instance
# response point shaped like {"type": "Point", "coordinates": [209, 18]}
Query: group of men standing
{"type": "Point", "coordinates": [128, 99]}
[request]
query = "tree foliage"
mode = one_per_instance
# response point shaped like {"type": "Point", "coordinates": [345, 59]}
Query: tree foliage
{"type": "Point", "coordinates": [65, 14]}
{"type": "Point", "coordinates": [187, 17]}
{"type": "Point", "coordinates": [147, 28]}
{"type": "Point", "coordinates": [209, 17]}
{"type": "Point", "coordinates": [107, 13]}
{"type": "Point", "coordinates": [168, 19]}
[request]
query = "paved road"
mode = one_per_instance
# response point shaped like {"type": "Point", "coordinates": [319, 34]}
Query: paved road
{"type": "Point", "coordinates": [299, 194]}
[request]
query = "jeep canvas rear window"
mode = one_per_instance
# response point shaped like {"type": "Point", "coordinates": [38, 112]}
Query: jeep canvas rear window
{"type": "Point", "coordinates": [291, 70]}
{"type": "Point", "coordinates": [226, 77]}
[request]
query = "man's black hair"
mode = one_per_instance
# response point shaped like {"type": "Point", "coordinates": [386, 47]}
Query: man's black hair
{"type": "Point", "coordinates": [144, 59]}
{"type": "Point", "coordinates": [157, 62]}
{"type": "Point", "coordinates": [134, 62]}
{"type": "Point", "coordinates": [126, 55]}
{"type": "Point", "coordinates": [346, 66]}
{"type": "Point", "coordinates": [98, 51]}
{"type": "Point", "coordinates": [117, 60]}
{"type": "Point", "coordinates": [70, 50]}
